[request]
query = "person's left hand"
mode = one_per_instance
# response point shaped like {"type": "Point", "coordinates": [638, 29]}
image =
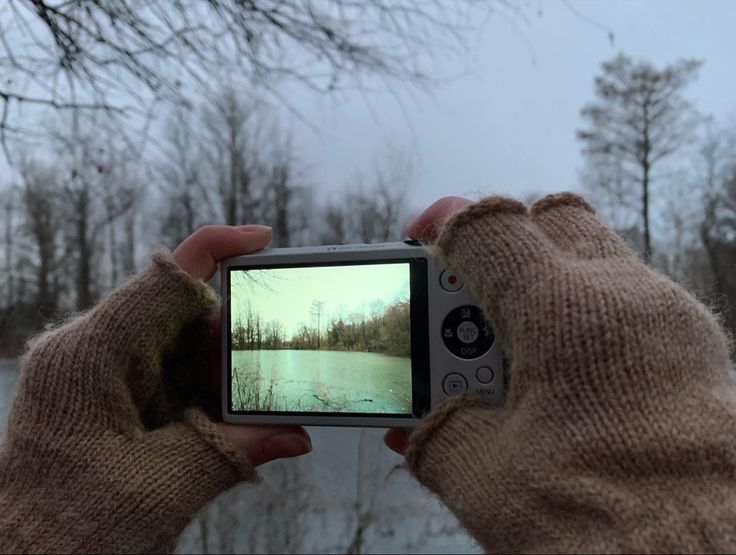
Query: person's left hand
{"type": "Point", "coordinates": [109, 447]}
{"type": "Point", "coordinates": [199, 255]}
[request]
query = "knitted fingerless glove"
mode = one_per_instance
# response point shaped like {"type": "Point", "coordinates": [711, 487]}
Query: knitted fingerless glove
{"type": "Point", "coordinates": [101, 453]}
{"type": "Point", "coordinates": [619, 430]}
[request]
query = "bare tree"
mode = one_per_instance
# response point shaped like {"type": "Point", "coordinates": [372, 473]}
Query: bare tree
{"type": "Point", "coordinates": [368, 486]}
{"type": "Point", "coordinates": [640, 119]}
{"type": "Point", "coordinates": [232, 127]}
{"type": "Point", "coordinates": [285, 194]}
{"type": "Point", "coordinates": [41, 202]}
{"type": "Point", "coordinates": [8, 196]}
{"type": "Point", "coordinates": [80, 54]}
{"type": "Point", "coordinates": [96, 189]}
{"type": "Point", "coordinates": [316, 313]}
{"type": "Point", "coordinates": [717, 229]}
{"type": "Point", "coordinates": [334, 230]}
{"type": "Point", "coordinates": [180, 172]}
{"type": "Point", "coordinates": [376, 207]}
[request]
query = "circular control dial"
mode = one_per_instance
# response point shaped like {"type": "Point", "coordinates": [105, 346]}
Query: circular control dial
{"type": "Point", "coordinates": [466, 333]}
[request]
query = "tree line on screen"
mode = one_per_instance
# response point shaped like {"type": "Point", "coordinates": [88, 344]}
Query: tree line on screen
{"type": "Point", "coordinates": [385, 331]}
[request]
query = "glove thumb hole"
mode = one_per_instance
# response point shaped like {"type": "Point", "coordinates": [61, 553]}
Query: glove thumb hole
{"type": "Point", "coordinates": [450, 436]}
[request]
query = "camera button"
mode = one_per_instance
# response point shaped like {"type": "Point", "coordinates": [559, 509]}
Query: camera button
{"type": "Point", "coordinates": [454, 384]}
{"type": "Point", "coordinates": [450, 281]}
{"type": "Point", "coordinates": [467, 332]}
{"type": "Point", "coordinates": [484, 375]}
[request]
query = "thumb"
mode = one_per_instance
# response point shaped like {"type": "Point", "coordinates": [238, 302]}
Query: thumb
{"type": "Point", "coordinates": [261, 444]}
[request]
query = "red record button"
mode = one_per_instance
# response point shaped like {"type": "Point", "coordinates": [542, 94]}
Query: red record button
{"type": "Point", "coordinates": [450, 281]}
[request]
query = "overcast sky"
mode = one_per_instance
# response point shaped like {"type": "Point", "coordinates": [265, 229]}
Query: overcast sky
{"type": "Point", "coordinates": [287, 294]}
{"type": "Point", "coordinates": [509, 127]}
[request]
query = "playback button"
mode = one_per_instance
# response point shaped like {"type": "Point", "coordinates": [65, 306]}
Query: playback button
{"type": "Point", "coordinates": [454, 384]}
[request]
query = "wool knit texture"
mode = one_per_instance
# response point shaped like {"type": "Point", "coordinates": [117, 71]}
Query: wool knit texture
{"type": "Point", "coordinates": [618, 433]}
{"type": "Point", "coordinates": [104, 450]}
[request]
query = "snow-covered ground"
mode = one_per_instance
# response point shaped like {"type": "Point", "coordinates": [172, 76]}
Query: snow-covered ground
{"type": "Point", "coordinates": [348, 495]}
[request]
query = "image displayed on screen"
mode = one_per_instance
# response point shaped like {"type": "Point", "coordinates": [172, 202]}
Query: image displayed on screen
{"type": "Point", "coordinates": [327, 339]}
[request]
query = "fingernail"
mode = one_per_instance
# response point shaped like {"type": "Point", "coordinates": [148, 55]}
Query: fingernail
{"type": "Point", "coordinates": [286, 445]}
{"type": "Point", "coordinates": [251, 228]}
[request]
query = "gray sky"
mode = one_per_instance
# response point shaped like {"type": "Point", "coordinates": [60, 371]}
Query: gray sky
{"type": "Point", "coordinates": [509, 127]}
{"type": "Point", "coordinates": [344, 290]}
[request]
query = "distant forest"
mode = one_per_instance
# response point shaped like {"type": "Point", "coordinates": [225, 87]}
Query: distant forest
{"type": "Point", "coordinates": [386, 331]}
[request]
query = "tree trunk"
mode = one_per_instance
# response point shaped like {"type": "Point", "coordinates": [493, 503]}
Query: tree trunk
{"type": "Point", "coordinates": [128, 261]}
{"type": "Point", "coordinates": [231, 212]}
{"type": "Point", "coordinates": [645, 211]}
{"type": "Point", "coordinates": [44, 300]}
{"type": "Point", "coordinates": [112, 237]}
{"type": "Point", "coordinates": [9, 293]}
{"type": "Point", "coordinates": [84, 263]}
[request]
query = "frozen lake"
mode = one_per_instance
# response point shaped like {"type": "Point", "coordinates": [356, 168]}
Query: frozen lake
{"type": "Point", "coordinates": [347, 490]}
{"type": "Point", "coordinates": [325, 381]}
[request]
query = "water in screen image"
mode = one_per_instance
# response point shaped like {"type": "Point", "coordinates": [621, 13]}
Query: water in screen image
{"type": "Point", "coordinates": [328, 339]}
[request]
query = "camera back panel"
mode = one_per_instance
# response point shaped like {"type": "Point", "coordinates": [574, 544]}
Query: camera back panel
{"type": "Point", "coordinates": [292, 346]}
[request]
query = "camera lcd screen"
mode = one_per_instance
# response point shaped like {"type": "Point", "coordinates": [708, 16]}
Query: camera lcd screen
{"type": "Point", "coordinates": [337, 339]}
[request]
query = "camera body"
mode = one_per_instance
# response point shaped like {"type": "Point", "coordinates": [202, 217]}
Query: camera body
{"type": "Point", "coordinates": [350, 335]}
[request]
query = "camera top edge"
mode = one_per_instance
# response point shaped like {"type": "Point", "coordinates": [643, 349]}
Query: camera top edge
{"type": "Point", "coordinates": [357, 251]}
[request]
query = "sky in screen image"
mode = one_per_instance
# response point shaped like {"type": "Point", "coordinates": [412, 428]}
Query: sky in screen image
{"type": "Point", "coordinates": [287, 294]}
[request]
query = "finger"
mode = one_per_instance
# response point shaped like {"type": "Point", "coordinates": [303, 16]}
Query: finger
{"type": "Point", "coordinates": [570, 222]}
{"type": "Point", "coordinates": [395, 439]}
{"type": "Point", "coordinates": [261, 444]}
{"type": "Point", "coordinates": [200, 253]}
{"type": "Point", "coordinates": [501, 254]}
{"type": "Point", "coordinates": [426, 227]}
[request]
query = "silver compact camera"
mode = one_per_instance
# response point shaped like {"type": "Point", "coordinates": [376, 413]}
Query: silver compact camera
{"type": "Point", "coordinates": [350, 335]}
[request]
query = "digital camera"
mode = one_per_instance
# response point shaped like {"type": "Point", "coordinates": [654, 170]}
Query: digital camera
{"type": "Point", "coordinates": [350, 335]}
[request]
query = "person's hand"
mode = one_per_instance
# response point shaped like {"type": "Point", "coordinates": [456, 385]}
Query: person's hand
{"type": "Point", "coordinates": [425, 228]}
{"type": "Point", "coordinates": [109, 447]}
{"type": "Point", "coordinates": [617, 431]}
{"type": "Point", "coordinates": [198, 255]}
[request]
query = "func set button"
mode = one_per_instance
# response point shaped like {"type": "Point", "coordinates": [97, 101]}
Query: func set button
{"type": "Point", "coordinates": [467, 332]}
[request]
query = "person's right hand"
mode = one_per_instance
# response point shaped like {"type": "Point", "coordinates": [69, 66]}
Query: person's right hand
{"type": "Point", "coordinates": [619, 429]}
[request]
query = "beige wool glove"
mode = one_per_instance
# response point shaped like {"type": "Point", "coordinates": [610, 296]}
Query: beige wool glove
{"type": "Point", "coordinates": [101, 454]}
{"type": "Point", "coordinates": [618, 433]}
